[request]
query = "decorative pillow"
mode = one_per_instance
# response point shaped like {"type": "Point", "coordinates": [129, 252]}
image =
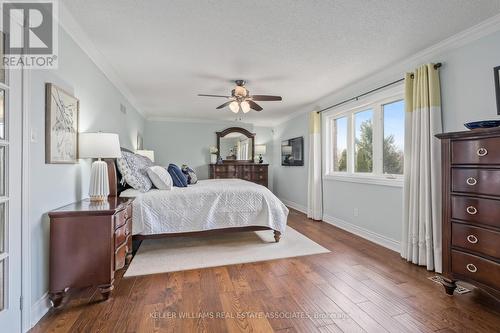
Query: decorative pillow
{"type": "Point", "coordinates": [160, 177]}
{"type": "Point", "coordinates": [190, 174]}
{"type": "Point", "coordinates": [178, 177]}
{"type": "Point", "coordinates": [133, 168]}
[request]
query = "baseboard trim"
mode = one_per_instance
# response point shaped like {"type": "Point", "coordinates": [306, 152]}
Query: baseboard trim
{"type": "Point", "coordinates": [373, 237]}
{"type": "Point", "coordinates": [294, 205]}
{"type": "Point", "coordinates": [39, 309]}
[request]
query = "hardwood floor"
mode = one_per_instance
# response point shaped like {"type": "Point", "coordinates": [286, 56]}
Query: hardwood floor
{"type": "Point", "coordinates": [358, 287]}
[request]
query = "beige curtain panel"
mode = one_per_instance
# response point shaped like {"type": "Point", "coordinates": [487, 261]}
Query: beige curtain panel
{"type": "Point", "coordinates": [421, 239]}
{"type": "Point", "coordinates": [314, 190]}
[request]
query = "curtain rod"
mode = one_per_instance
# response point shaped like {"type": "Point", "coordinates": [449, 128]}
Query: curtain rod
{"type": "Point", "coordinates": [436, 66]}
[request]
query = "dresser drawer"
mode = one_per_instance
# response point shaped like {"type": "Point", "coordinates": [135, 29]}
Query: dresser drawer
{"type": "Point", "coordinates": [260, 169]}
{"type": "Point", "coordinates": [476, 239]}
{"type": "Point", "coordinates": [480, 151]}
{"type": "Point", "coordinates": [122, 233]}
{"type": "Point", "coordinates": [260, 177]}
{"type": "Point", "coordinates": [476, 210]}
{"type": "Point", "coordinates": [476, 268]}
{"type": "Point", "coordinates": [478, 181]}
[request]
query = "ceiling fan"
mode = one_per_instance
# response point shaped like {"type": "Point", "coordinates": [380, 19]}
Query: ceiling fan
{"type": "Point", "coordinates": [241, 99]}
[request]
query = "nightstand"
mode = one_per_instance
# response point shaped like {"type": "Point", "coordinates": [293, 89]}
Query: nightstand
{"type": "Point", "coordinates": [89, 242]}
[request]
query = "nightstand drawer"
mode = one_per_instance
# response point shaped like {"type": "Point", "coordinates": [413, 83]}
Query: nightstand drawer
{"type": "Point", "coordinates": [476, 210]}
{"type": "Point", "coordinates": [122, 216]}
{"type": "Point", "coordinates": [480, 240]}
{"type": "Point", "coordinates": [477, 181]}
{"type": "Point", "coordinates": [122, 232]}
{"type": "Point", "coordinates": [480, 151]}
{"type": "Point", "coordinates": [476, 268]}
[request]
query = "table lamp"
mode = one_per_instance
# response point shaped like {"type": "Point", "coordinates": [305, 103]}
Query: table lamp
{"type": "Point", "coordinates": [99, 145]}
{"type": "Point", "coordinates": [260, 150]}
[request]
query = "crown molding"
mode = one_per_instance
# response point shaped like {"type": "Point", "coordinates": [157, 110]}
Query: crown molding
{"type": "Point", "coordinates": [75, 31]}
{"type": "Point", "coordinates": [194, 120]}
{"type": "Point", "coordinates": [467, 36]}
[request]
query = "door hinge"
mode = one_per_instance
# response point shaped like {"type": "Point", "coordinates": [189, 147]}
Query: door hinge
{"type": "Point", "coordinates": [21, 303]}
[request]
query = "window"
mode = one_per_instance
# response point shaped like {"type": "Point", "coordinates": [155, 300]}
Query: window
{"type": "Point", "coordinates": [365, 141]}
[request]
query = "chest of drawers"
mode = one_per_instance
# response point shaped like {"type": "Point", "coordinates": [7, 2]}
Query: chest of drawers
{"type": "Point", "coordinates": [471, 208]}
{"type": "Point", "coordinates": [89, 242]}
{"type": "Point", "coordinates": [253, 172]}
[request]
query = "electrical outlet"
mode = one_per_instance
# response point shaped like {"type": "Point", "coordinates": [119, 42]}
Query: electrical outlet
{"type": "Point", "coordinates": [355, 212]}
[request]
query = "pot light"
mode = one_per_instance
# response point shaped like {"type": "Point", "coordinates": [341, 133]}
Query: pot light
{"type": "Point", "coordinates": [234, 106]}
{"type": "Point", "coordinates": [245, 106]}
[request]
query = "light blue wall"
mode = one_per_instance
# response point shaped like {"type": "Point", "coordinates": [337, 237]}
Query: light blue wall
{"type": "Point", "coordinates": [468, 94]}
{"type": "Point", "coordinates": [53, 185]}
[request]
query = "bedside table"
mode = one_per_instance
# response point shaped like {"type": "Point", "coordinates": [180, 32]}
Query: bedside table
{"type": "Point", "coordinates": [89, 242]}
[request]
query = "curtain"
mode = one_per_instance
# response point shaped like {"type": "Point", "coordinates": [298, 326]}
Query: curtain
{"type": "Point", "coordinates": [315, 191]}
{"type": "Point", "coordinates": [421, 239]}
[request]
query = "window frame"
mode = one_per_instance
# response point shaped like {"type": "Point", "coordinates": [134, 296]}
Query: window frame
{"type": "Point", "coordinates": [376, 103]}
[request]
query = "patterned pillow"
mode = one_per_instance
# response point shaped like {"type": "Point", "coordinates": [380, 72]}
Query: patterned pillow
{"type": "Point", "coordinates": [190, 174]}
{"type": "Point", "coordinates": [133, 168]}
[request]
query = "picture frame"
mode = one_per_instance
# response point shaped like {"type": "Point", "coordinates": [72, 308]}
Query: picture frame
{"type": "Point", "coordinates": [292, 152]}
{"type": "Point", "coordinates": [497, 86]}
{"type": "Point", "coordinates": [62, 111]}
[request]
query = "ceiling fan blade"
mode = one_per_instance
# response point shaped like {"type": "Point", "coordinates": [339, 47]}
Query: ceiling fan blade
{"type": "Point", "coordinates": [224, 105]}
{"type": "Point", "coordinates": [204, 95]}
{"type": "Point", "coordinates": [266, 98]}
{"type": "Point", "coordinates": [254, 105]}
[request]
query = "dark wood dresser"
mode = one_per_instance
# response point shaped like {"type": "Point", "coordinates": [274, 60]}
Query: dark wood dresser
{"type": "Point", "coordinates": [471, 208]}
{"type": "Point", "coordinates": [253, 172]}
{"type": "Point", "coordinates": [89, 242]}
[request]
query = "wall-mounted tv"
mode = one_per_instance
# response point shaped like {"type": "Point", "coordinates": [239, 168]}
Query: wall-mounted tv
{"type": "Point", "coordinates": [292, 152]}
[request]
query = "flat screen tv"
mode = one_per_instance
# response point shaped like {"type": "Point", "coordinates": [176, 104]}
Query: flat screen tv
{"type": "Point", "coordinates": [292, 152]}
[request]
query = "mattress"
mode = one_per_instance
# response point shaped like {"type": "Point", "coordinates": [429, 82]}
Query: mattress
{"type": "Point", "coordinates": [207, 205]}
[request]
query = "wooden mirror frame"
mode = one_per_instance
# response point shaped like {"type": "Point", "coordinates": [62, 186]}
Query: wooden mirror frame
{"type": "Point", "coordinates": [241, 130]}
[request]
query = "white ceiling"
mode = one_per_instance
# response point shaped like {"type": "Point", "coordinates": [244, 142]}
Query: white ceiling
{"type": "Point", "coordinates": [166, 52]}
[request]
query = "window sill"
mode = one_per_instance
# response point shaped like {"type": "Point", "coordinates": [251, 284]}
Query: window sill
{"type": "Point", "coordinates": [366, 179]}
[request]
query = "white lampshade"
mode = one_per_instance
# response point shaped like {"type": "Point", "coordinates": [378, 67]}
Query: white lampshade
{"type": "Point", "coordinates": [286, 149]}
{"type": "Point", "coordinates": [260, 149]}
{"type": "Point", "coordinates": [234, 106]}
{"type": "Point", "coordinates": [245, 106]}
{"type": "Point", "coordinates": [148, 153]}
{"type": "Point", "coordinates": [99, 145]}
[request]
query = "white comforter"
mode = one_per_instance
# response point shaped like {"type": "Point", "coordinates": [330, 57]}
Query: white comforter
{"type": "Point", "coordinates": [209, 204]}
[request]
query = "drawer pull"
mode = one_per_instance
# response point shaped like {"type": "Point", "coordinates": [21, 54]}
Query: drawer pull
{"type": "Point", "coordinates": [472, 239]}
{"type": "Point", "coordinates": [472, 210]}
{"type": "Point", "coordinates": [471, 181]}
{"type": "Point", "coordinates": [482, 152]}
{"type": "Point", "coordinates": [471, 268]}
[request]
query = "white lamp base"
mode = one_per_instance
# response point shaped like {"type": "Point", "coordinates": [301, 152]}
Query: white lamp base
{"type": "Point", "coordinates": [99, 181]}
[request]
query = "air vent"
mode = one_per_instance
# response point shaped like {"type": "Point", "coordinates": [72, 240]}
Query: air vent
{"type": "Point", "coordinates": [123, 109]}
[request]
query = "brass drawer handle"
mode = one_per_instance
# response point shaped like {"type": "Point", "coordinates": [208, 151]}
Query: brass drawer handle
{"type": "Point", "coordinates": [482, 152]}
{"type": "Point", "coordinates": [471, 181]}
{"type": "Point", "coordinates": [471, 268]}
{"type": "Point", "coordinates": [472, 210]}
{"type": "Point", "coordinates": [472, 239]}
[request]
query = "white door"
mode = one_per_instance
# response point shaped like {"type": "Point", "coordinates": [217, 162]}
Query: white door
{"type": "Point", "coordinates": [10, 199]}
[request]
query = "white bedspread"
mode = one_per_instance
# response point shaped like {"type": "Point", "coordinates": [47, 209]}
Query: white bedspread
{"type": "Point", "coordinates": [209, 204]}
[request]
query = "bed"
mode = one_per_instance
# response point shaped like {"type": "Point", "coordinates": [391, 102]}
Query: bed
{"type": "Point", "coordinates": [208, 207]}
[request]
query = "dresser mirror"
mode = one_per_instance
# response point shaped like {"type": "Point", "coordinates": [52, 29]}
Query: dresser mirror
{"type": "Point", "coordinates": [236, 144]}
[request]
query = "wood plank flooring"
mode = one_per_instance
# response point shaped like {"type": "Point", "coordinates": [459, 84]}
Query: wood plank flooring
{"type": "Point", "coordinates": [358, 287]}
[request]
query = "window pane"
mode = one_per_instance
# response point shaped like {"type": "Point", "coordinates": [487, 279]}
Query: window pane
{"type": "Point", "coordinates": [363, 154]}
{"type": "Point", "coordinates": [2, 285]}
{"type": "Point", "coordinates": [340, 144]}
{"type": "Point", "coordinates": [2, 171]}
{"type": "Point", "coordinates": [394, 124]}
{"type": "Point", "coordinates": [3, 228]}
{"type": "Point", "coordinates": [2, 114]}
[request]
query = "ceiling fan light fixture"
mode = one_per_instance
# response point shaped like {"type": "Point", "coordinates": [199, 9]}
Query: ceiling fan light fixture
{"type": "Point", "coordinates": [245, 106]}
{"type": "Point", "coordinates": [234, 106]}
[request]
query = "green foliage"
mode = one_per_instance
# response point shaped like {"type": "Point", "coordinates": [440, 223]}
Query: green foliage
{"type": "Point", "coordinates": [393, 157]}
{"type": "Point", "coordinates": [364, 148]}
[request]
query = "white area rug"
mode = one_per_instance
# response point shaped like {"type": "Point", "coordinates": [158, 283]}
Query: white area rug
{"type": "Point", "coordinates": [184, 253]}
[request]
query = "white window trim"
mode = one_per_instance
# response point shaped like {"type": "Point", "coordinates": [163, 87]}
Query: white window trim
{"type": "Point", "coordinates": [374, 102]}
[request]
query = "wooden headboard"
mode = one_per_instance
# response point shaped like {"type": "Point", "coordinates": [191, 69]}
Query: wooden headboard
{"type": "Point", "coordinates": [115, 177]}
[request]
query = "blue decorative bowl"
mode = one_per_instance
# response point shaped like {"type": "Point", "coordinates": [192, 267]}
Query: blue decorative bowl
{"type": "Point", "coordinates": [483, 124]}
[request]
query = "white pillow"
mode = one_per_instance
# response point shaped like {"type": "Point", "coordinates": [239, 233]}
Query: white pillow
{"type": "Point", "coordinates": [160, 177]}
